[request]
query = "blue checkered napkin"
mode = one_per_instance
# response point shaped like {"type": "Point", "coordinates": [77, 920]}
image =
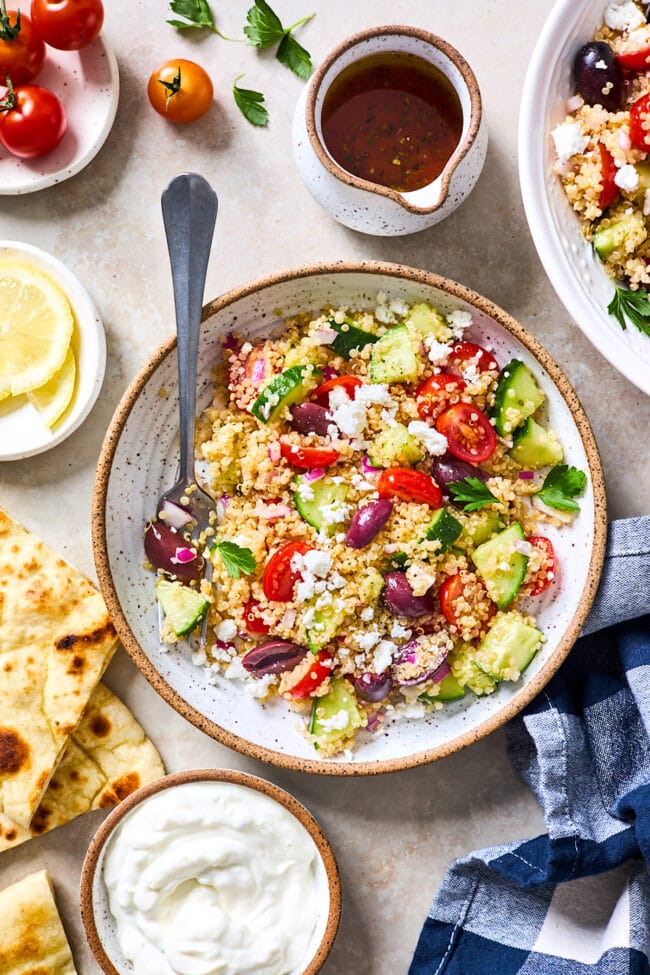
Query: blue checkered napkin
{"type": "Point", "coordinates": [583, 746]}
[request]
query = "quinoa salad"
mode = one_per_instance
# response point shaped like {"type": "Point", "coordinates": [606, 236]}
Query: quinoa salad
{"type": "Point", "coordinates": [602, 146]}
{"type": "Point", "coordinates": [384, 488]}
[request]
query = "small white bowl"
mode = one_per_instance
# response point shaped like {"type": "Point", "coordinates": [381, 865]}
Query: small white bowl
{"type": "Point", "coordinates": [22, 432]}
{"type": "Point", "coordinates": [577, 275]}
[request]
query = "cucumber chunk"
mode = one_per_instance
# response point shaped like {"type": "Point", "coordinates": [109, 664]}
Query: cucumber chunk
{"type": "Point", "coordinates": [395, 447]}
{"type": "Point", "coordinates": [313, 498]}
{"type": "Point", "coordinates": [501, 567]}
{"type": "Point", "coordinates": [535, 447]}
{"type": "Point", "coordinates": [517, 396]}
{"type": "Point", "coordinates": [613, 237]}
{"type": "Point", "coordinates": [448, 690]}
{"type": "Point", "coordinates": [182, 606]}
{"type": "Point", "coordinates": [394, 359]}
{"type": "Point", "coordinates": [324, 625]}
{"type": "Point", "coordinates": [508, 647]}
{"type": "Point", "coordinates": [481, 526]}
{"type": "Point", "coordinates": [370, 586]}
{"type": "Point", "coordinates": [349, 337]}
{"type": "Point", "coordinates": [338, 706]}
{"type": "Point", "coordinates": [427, 321]}
{"type": "Point", "coordinates": [444, 528]}
{"type": "Point", "coordinates": [286, 389]}
{"type": "Point", "coordinates": [467, 673]}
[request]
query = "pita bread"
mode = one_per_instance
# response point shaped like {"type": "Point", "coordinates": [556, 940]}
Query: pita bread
{"type": "Point", "coordinates": [32, 939]}
{"type": "Point", "coordinates": [55, 641]}
{"type": "Point", "coordinates": [107, 758]}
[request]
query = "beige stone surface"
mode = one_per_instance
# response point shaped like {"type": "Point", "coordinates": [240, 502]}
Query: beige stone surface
{"type": "Point", "coordinates": [393, 835]}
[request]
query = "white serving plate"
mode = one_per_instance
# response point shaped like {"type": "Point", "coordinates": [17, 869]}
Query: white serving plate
{"type": "Point", "coordinates": [139, 461]}
{"type": "Point", "coordinates": [569, 260]}
{"type": "Point", "coordinates": [22, 431]}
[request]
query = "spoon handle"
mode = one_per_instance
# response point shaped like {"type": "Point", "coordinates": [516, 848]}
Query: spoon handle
{"type": "Point", "coordinates": [189, 206]}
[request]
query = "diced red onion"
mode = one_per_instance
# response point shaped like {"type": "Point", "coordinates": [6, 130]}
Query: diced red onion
{"type": "Point", "coordinates": [624, 140]}
{"type": "Point", "coordinates": [314, 475]}
{"type": "Point", "coordinates": [274, 450]}
{"type": "Point", "coordinates": [367, 467]}
{"type": "Point", "coordinates": [325, 336]}
{"type": "Point", "coordinates": [225, 499]}
{"type": "Point", "coordinates": [258, 371]}
{"type": "Point", "coordinates": [289, 618]}
{"type": "Point", "coordinates": [183, 556]}
{"type": "Point", "coordinates": [375, 720]}
{"type": "Point", "coordinates": [526, 475]}
{"type": "Point", "coordinates": [271, 512]}
{"type": "Point", "coordinates": [220, 645]}
{"type": "Point", "coordinates": [329, 372]}
{"type": "Point", "coordinates": [230, 343]}
{"type": "Point", "coordinates": [174, 515]}
{"type": "Point", "coordinates": [443, 671]}
{"type": "Point", "coordinates": [574, 103]}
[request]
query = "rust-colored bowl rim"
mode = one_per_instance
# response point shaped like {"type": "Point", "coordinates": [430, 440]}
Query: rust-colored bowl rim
{"type": "Point", "coordinates": [528, 690]}
{"type": "Point", "coordinates": [285, 799]}
{"type": "Point", "coordinates": [394, 30]}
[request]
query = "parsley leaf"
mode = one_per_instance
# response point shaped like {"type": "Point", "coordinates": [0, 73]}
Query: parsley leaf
{"type": "Point", "coordinates": [264, 28]}
{"type": "Point", "coordinates": [561, 485]}
{"type": "Point", "coordinates": [473, 493]}
{"type": "Point", "coordinates": [197, 16]}
{"type": "Point", "coordinates": [235, 558]}
{"type": "Point", "coordinates": [250, 104]}
{"type": "Point", "coordinates": [633, 305]}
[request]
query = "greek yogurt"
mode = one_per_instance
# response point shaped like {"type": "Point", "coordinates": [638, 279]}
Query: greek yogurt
{"type": "Point", "coordinates": [213, 878]}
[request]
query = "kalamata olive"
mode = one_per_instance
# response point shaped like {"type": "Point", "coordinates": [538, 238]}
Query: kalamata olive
{"type": "Point", "coordinates": [400, 599]}
{"type": "Point", "coordinates": [161, 545]}
{"type": "Point", "coordinates": [311, 418]}
{"type": "Point", "coordinates": [273, 657]}
{"type": "Point", "coordinates": [421, 659]}
{"type": "Point", "coordinates": [447, 469]}
{"type": "Point", "coordinates": [373, 687]}
{"type": "Point", "coordinates": [598, 76]}
{"type": "Point", "coordinates": [367, 522]}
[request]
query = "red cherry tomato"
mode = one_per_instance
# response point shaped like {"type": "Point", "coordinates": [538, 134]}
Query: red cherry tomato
{"type": "Point", "coordinates": [409, 485]}
{"type": "Point", "coordinates": [349, 383]}
{"type": "Point", "coordinates": [455, 588]}
{"type": "Point", "coordinates": [437, 393]}
{"type": "Point", "coordinates": [635, 56]}
{"type": "Point", "coordinates": [608, 170]}
{"type": "Point", "coordinates": [544, 578]}
{"type": "Point", "coordinates": [466, 354]}
{"type": "Point", "coordinates": [640, 116]}
{"type": "Point", "coordinates": [68, 24]}
{"type": "Point", "coordinates": [252, 620]}
{"type": "Point", "coordinates": [308, 458]}
{"type": "Point", "coordinates": [470, 435]}
{"type": "Point", "coordinates": [22, 55]}
{"type": "Point", "coordinates": [307, 677]}
{"type": "Point", "coordinates": [35, 125]}
{"type": "Point", "coordinates": [279, 577]}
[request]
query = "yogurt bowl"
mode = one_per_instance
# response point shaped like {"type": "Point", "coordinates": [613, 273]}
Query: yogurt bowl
{"type": "Point", "coordinates": [177, 866]}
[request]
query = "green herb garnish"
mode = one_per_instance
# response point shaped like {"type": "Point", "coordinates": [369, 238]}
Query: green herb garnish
{"type": "Point", "coordinates": [473, 493]}
{"type": "Point", "coordinates": [633, 305]}
{"type": "Point", "coordinates": [197, 16]}
{"type": "Point", "coordinates": [235, 558]}
{"type": "Point", "coordinates": [264, 28]}
{"type": "Point", "coordinates": [8, 31]}
{"type": "Point", "coordinates": [250, 104]}
{"type": "Point", "coordinates": [561, 485]}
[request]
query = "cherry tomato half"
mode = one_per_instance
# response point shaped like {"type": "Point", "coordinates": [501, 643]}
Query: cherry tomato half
{"type": "Point", "coordinates": [608, 171]}
{"type": "Point", "coordinates": [307, 677]}
{"type": "Point", "coordinates": [68, 25]}
{"type": "Point", "coordinates": [252, 619]}
{"type": "Point", "coordinates": [466, 354]}
{"type": "Point", "coordinates": [640, 116]}
{"type": "Point", "coordinates": [180, 91]}
{"type": "Point", "coordinates": [349, 383]}
{"type": "Point", "coordinates": [467, 587]}
{"type": "Point", "coordinates": [437, 393]}
{"type": "Point", "coordinates": [308, 458]}
{"type": "Point", "coordinates": [409, 485]}
{"type": "Point", "coordinates": [35, 125]}
{"type": "Point", "coordinates": [470, 435]}
{"type": "Point", "coordinates": [546, 575]}
{"type": "Point", "coordinates": [22, 55]}
{"type": "Point", "coordinates": [635, 56]}
{"type": "Point", "coordinates": [279, 577]}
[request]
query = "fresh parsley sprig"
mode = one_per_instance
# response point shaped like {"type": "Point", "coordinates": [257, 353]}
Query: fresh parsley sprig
{"type": "Point", "coordinates": [561, 485]}
{"type": "Point", "coordinates": [631, 305]}
{"type": "Point", "coordinates": [264, 28]}
{"type": "Point", "coordinates": [196, 15]}
{"type": "Point", "coordinates": [235, 558]}
{"type": "Point", "coordinates": [250, 103]}
{"type": "Point", "coordinates": [472, 493]}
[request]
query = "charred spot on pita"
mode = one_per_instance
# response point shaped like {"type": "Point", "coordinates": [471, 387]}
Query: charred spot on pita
{"type": "Point", "coordinates": [14, 752]}
{"type": "Point", "coordinates": [100, 725]}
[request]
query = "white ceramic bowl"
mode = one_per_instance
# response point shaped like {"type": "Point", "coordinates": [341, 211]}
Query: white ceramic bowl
{"type": "Point", "coordinates": [139, 460]}
{"type": "Point", "coordinates": [22, 432]}
{"type": "Point", "coordinates": [569, 260]}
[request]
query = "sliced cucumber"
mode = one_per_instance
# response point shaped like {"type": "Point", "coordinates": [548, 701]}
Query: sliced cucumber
{"type": "Point", "coordinates": [517, 396]}
{"type": "Point", "coordinates": [286, 389]}
{"type": "Point", "coordinates": [467, 673]}
{"type": "Point", "coordinates": [508, 647]}
{"type": "Point", "coordinates": [444, 528]}
{"type": "Point", "coordinates": [340, 707]}
{"type": "Point", "coordinates": [481, 526]}
{"type": "Point", "coordinates": [395, 447]}
{"type": "Point", "coordinates": [182, 606]}
{"type": "Point", "coordinates": [535, 447]}
{"type": "Point", "coordinates": [448, 690]}
{"type": "Point", "coordinates": [311, 497]}
{"type": "Point", "coordinates": [370, 586]}
{"type": "Point", "coordinates": [613, 237]}
{"type": "Point", "coordinates": [501, 567]}
{"type": "Point", "coordinates": [427, 321]}
{"type": "Point", "coordinates": [394, 359]}
{"type": "Point", "coordinates": [324, 626]}
{"type": "Point", "coordinates": [349, 337]}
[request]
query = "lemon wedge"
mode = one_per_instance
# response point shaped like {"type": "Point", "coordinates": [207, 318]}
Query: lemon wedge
{"type": "Point", "coordinates": [53, 399]}
{"type": "Point", "coordinates": [35, 328]}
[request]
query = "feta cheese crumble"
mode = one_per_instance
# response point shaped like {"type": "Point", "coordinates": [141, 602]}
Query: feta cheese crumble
{"type": "Point", "coordinates": [438, 352]}
{"type": "Point", "coordinates": [458, 321]}
{"type": "Point", "coordinates": [623, 15]}
{"type": "Point", "coordinates": [338, 721]}
{"type": "Point", "coordinates": [627, 178]}
{"type": "Point", "coordinates": [569, 140]}
{"type": "Point", "coordinates": [432, 441]}
{"type": "Point", "coordinates": [226, 631]}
